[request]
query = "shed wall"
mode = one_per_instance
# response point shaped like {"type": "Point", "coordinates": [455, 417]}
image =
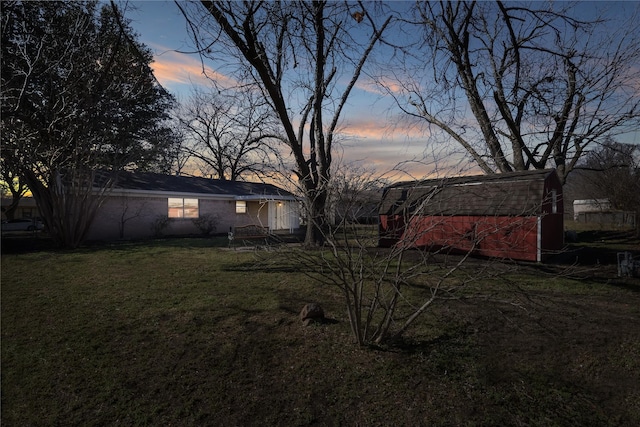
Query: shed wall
{"type": "Point", "coordinates": [501, 237]}
{"type": "Point", "coordinates": [517, 219]}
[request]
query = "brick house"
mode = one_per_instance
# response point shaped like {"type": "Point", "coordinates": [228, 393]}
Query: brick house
{"type": "Point", "coordinates": [140, 203]}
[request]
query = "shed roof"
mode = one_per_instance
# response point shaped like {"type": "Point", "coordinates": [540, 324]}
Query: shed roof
{"type": "Point", "coordinates": [514, 193]}
{"type": "Point", "coordinates": [154, 182]}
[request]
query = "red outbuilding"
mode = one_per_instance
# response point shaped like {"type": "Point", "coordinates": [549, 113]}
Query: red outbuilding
{"type": "Point", "coordinates": [517, 215]}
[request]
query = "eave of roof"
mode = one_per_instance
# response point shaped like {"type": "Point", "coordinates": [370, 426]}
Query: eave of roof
{"type": "Point", "coordinates": [540, 174]}
{"type": "Point", "coordinates": [519, 193]}
{"type": "Point", "coordinates": [152, 184]}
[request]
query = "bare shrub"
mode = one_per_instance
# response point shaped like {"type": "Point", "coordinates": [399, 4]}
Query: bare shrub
{"type": "Point", "coordinates": [159, 225]}
{"type": "Point", "coordinates": [387, 289]}
{"type": "Point", "coordinates": [207, 223]}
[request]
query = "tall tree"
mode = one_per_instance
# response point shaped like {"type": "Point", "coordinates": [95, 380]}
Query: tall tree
{"type": "Point", "coordinates": [305, 58]}
{"type": "Point", "coordinates": [619, 175]}
{"type": "Point", "coordinates": [519, 85]}
{"type": "Point", "coordinates": [230, 136]}
{"type": "Point", "coordinates": [78, 100]}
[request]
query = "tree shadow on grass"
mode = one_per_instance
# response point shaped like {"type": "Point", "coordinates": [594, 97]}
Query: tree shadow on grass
{"type": "Point", "coordinates": [261, 267]}
{"type": "Point", "coordinates": [26, 244]}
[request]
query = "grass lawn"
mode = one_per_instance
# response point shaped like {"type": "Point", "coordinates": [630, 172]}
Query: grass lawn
{"type": "Point", "coordinates": [181, 332]}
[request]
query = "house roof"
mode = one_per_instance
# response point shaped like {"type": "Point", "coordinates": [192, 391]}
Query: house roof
{"type": "Point", "coordinates": [155, 183]}
{"type": "Point", "coordinates": [514, 193]}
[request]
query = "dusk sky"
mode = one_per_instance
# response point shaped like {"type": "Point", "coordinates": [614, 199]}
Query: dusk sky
{"type": "Point", "coordinates": [372, 135]}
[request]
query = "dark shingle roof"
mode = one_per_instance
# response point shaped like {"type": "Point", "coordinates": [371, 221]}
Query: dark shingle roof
{"type": "Point", "coordinates": [515, 193]}
{"type": "Point", "coordinates": [146, 181]}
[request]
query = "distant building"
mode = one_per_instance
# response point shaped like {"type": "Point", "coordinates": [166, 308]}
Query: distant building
{"type": "Point", "coordinates": [581, 207]}
{"type": "Point", "coordinates": [600, 211]}
{"type": "Point", "coordinates": [579, 186]}
{"type": "Point", "coordinates": [586, 202]}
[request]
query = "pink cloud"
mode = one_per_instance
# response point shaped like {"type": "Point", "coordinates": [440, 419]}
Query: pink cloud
{"type": "Point", "coordinates": [383, 85]}
{"type": "Point", "coordinates": [374, 88]}
{"type": "Point", "coordinates": [381, 128]}
{"type": "Point", "coordinates": [173, 68]}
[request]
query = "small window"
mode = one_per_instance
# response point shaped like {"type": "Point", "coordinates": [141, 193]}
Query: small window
{"type": "Point", "coordinates": [183, 208]}
{"type": "Point", "coordinates": [554, 201]}
{"type": "Point", "coordinates": [241, 206]}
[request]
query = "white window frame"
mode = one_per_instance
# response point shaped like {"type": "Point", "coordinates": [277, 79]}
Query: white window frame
{"type": "Point", "coordinates": [241, 206]}
{"type": "Point", "coordinates": [183, 207]}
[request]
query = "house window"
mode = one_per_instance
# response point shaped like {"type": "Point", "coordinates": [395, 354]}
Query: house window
{"type": "Point", "coordinates": [241, 206]}
{"type": "Point", "coordinates": [554, 201]}
{"type": "Point", "coordinates": [183, 208]}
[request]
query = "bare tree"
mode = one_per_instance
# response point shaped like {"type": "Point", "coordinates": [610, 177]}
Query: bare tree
{"type": "Point", "coordinates": [175, 159]}
{"type": "Point", "coordinates": [355, 194]}
{"type": "Point", "coordinates": [128, 210]}
{"type": "Point", "coordinates": [386, 290]}
{"type": "Point", "coordinates": [619, 175]}
{"type": "Point", "coordinates": [305, 58]}
{"type": "Point", "coordinates": [521, 86]}
{"type": "Point", "coordinates": [231, 136]}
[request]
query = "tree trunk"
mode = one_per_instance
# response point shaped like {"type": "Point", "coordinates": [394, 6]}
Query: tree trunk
{"type": "Point", "coordinates": [317, 223]}
{"type": "Point", "coordinates": [67, 210]}
{"type": "Point", "coordinates": [10, 211]}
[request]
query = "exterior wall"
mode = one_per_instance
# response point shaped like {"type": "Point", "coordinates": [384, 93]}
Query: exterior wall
{"type": "Point", "coordinates": [494, 236]}
{"type": "Point", "coordinates": [133, 217]}
{"type": "Point", "coordinates": [277, 215]}
{"type": "Point", "coordinates": [551, 234]}
{"type": "Point", "coordinates": [257, 214]}
{"type": "Point", "coordinates": [552, 218]}
{"type": "Point", "coordinates": [126, 217]}
{"type": "Point", "coordinates": [580, 186]}
{"type": "Point", "coordinates": [499, 236]}
{"type": "Point", "coordinates": [223, 210]}
{"type": "Point", "coordinates": [136, 215]}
